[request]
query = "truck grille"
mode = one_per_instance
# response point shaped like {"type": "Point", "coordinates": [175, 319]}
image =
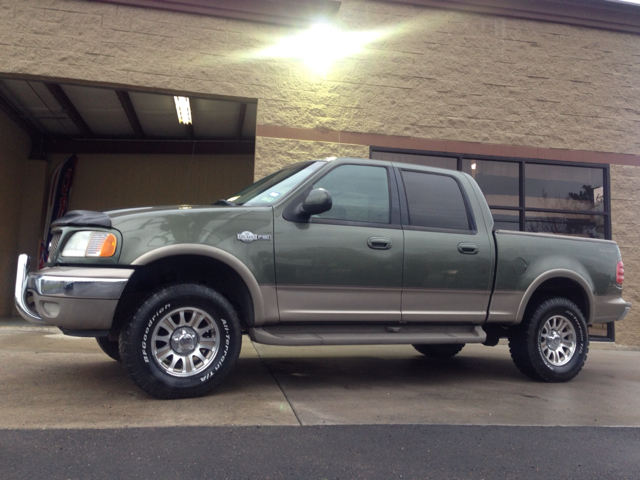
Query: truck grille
{"type": "Point", "coordinates": [53, 246]}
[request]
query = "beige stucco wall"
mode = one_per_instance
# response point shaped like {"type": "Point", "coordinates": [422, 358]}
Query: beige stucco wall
{"type": "Point", "coordinates": [435, 74]}
{"type": "Point", "coordinates": [104, 182]}
{"type": "Point", "coordinates": [14, 150]}
{"type": "Point", "coordinates": [275, 153]}
{"type": "Point", "coordinates": [625, 219]}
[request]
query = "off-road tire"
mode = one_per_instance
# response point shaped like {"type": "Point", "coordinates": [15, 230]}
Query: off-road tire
{"type": "Point", "coordinates": [151, 345]}
{"type": "Point", "coordinates": [111, 348]}
{"type": "Point", "coordinates": [445, 350]}
{"type": "Point", "coordinates": [535, 353]}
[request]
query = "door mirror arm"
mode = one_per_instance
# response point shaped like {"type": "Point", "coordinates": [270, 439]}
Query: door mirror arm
{"type": "Point", "coordinates": [318, 201]}
{"type": "Point", "coordinates": [314, 202]}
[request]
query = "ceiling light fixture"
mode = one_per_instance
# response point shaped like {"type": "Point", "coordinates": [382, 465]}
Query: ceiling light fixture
{"type": "Point", "coordinates": [183, 108]}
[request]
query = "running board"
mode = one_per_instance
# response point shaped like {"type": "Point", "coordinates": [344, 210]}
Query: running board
{"type": "Point", "coordinates": [300, 335]}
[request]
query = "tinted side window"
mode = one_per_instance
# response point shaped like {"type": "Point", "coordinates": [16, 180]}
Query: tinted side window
{"type": "Point", "coordinates": [360, 193]}
{"type": "Point", "coordinates": [435, 201]}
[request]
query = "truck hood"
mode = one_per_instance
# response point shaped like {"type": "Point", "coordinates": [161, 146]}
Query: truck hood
{"type": "Point", "coordinates": [90, 218]}
{"type": "Point", "coordinates": [146, 229]}
{"type": "Point", "coordinates": [137, 211]}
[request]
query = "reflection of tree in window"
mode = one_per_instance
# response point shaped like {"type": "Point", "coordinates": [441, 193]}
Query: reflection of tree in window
{"type": "Point", "coordinates": [560, 187]}
{"type": "Point", "coordinates": [593, 195]}
{"type": "Point", "coordinates": [590, 226]}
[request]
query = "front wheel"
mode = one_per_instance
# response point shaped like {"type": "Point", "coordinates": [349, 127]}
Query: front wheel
{"type": "Point", "coordinates": [182, 342]}
{"type": "Point", "coordinates": [552, 342]}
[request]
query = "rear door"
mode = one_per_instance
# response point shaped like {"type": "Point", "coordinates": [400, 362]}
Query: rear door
{"type": "Point", "coordinates": [344, 264]}
{"type": "Point", "coordinates": [448, 260]}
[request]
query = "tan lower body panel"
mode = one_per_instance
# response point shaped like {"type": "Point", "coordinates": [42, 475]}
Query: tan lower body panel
{"type": "Point", "coordinates": [270, 302]}
{"type": "Point", "coordinates": [313, 303]}
{"type": "Point", "coordinates": [504, 307]}
{"type": "Point", "coordinates": [76, 313]}
{"type": "Point", "coordinates": [610, 308]}
{"type": "Point", "coordinates": [450, 306]}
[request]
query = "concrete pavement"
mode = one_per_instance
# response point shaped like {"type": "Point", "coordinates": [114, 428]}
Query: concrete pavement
{"type": "Point", "coordinates": [52, 381]}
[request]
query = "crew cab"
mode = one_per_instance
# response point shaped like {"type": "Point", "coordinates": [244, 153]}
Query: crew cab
{"type": "Point", "coordinates": [339, 251]}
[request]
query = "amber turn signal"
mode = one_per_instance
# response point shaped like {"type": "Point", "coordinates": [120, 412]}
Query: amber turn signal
{"type": "Point", "coordinates": [102, 244]}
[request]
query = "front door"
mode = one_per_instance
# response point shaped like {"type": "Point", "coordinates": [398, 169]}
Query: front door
{"type": "Point", "coordinates": [344, 264]}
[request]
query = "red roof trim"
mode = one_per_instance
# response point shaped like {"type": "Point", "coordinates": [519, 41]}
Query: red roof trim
{"type": "Point", "coordinates": [585, 13]}
{"type": "Point", "coordinates": [283, 12]}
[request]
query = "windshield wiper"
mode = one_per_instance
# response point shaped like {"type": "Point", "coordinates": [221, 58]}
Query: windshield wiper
{"type": "Point", "coordinates": [224, 202]}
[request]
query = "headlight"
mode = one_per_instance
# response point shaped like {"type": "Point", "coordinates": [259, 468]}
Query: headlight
{"type": "Point", "coordinates": [90, 244]}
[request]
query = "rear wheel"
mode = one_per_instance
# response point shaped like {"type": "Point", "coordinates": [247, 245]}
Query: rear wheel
{"type": "Point", "coordinates": [109, 347]}
{"type": "Point", "coordinates": [182, 342]}
{"type": "Point", "coordinates": [552, 342]}
{"type": "Point", "coordinates": [446, 350]}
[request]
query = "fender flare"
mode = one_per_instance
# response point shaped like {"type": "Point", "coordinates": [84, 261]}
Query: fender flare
{"type": "Point", "coordinates": [217, 254]}
{"type": "Point", "coordinates": [557, 273]}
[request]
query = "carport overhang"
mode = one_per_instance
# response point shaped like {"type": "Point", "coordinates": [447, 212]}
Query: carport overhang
{"type": "Point", "coordinates": [64, 117]}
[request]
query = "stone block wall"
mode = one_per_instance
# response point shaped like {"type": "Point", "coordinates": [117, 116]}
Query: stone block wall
{"type": "Point", "coordinates": [275, 153]}
{"type": "Point", "coordinates": [625, 219]}
{"type": "Point", "coordinates": [433, 74]}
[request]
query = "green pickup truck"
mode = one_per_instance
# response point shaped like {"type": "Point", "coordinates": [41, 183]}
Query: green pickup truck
{"type": "Point", "coordinates": [328, 252]}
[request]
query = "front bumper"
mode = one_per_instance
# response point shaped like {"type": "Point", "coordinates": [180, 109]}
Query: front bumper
{"type": "Point", "coordinates": [69, 297]}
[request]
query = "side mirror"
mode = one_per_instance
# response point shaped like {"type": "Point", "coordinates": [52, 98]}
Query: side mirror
{"type": "Point", "coordinates": [318, 201]}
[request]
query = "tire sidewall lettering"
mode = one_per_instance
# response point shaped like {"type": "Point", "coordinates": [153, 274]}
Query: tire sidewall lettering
{"type": "Point", "coordinates": [220, 362]}
{"type": "Point", "coordinates": [145, 334]}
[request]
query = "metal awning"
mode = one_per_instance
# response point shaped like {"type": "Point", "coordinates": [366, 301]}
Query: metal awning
{"type": "Point", "coordinates": [66, 118]}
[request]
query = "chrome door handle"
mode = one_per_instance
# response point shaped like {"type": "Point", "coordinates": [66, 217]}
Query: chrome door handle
{"type": "Point", "coordinates": [379, 243]}
{"type": "Point", "coordinates": [468, 248]}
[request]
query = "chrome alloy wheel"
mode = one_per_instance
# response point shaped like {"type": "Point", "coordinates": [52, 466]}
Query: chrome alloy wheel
{"type": "Point", "coordinates": [558, 340]}
{"type": "Point", "coordinates": [185, 341]}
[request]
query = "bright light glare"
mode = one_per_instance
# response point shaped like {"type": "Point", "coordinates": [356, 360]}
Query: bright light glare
{"type": "Point", "coordinates": [633, 2]}
{"type": "Point", "coordinates": [183, 109]}
{"type": "Point", "coordinates": [320, 46]}
{"type": "Point", "coordinates": [473, 166]}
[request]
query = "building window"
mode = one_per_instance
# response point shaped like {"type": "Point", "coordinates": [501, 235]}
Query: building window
{"type": "Point", "coordinates": [530, 195]}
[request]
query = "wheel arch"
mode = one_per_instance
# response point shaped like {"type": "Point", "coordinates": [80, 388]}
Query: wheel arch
{"type": "Point", "coordinates": [198, 264]}
{"type": "Point", "coordinates": [563, 283]}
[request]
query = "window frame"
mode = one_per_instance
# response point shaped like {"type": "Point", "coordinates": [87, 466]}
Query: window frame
{"type": "Point", "coordinates": [394, 207]}
{"type": "Point", "coordinates": [404, 201]}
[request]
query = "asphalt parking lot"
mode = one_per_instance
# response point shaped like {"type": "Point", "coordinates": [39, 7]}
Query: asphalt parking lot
{"type": "Point", "coordinates": [58, 390]}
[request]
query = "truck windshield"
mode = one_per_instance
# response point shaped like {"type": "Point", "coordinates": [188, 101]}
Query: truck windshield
{"type": "Point", "coordinates": [275, 186]}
